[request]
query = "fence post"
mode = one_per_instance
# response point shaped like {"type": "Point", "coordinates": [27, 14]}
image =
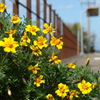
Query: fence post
{"type": "Point", "coordinates": [50, 14]}
{"type": "Point", "coordinates": [16, 8]}
{"type": "Point", "coordinates": [59, 26]}
{"type": "Point", "coordinates": [54, 17]}
{"type": "Point", "coordinates": [56, 23]}
{"type": "Point", "coordinates": [38, 12]}
{"type": "Point", "coordinates": [50, 17]}
{"type": "Point", "coordinates": [29, 9]}
{"type": "Point", "coordinates": [45, 11]}
{"type": "Point", "coordinates": [54, 20]}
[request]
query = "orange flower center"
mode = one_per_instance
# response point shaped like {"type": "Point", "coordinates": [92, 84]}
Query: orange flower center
{"type": "Point", "coordinates": [37, 80]}
{"type": "Point", "coordinates": [33, 29]}
{"type": "Point", "coordinates": [54, 58]}
{"type": "Point", "coordinates": [40, 42]}
{"type": "Point", "coordinates": [49, 29]}
{"type": "Point", "coordinates": [62, 90]}
{"type": "Point", "coordinates": [14, 19]}
{"type": "Point", "coordinates": [25, 37]}
{"type": "Point", "coordinates": [85, 87]}
{"type": "Point", "coordinates": [10, 45]}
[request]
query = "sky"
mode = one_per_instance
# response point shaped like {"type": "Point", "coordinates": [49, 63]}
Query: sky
{"type": "Point", "coordinates": [70, 11]}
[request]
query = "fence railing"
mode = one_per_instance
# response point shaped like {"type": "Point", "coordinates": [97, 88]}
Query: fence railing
{"type": "Point", "coordinates": [50, 16]}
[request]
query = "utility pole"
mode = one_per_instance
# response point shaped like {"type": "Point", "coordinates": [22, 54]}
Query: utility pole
{"type": "Point", "coordinates": [81, 32]}
{"type": "Point", "coordinates": [88, 20]}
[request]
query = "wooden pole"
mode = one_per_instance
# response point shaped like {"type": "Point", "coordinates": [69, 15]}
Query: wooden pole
{"type": "Point", "coordinates": [29, 9]}
{"type": "Point", "coordinates": [38, 12]}
{"type": "Point", "coordinates": [16, 8]}
{"type": "Point", "coordinates": [45, 11]}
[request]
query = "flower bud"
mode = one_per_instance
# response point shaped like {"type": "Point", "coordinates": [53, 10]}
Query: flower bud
{"type": "Point", "coordinates": [87, 61]}
{"type": "Point", "coordinates": [9, 92]}
{"type": "Point", "coordinates": [24, 81]}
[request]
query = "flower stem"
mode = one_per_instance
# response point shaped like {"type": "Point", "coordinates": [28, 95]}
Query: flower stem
{"type": "Point", "coordinates": [4, 58]}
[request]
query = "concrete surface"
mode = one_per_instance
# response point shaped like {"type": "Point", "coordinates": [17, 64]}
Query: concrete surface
{"type": "Point", "coordinates": [80, 60]}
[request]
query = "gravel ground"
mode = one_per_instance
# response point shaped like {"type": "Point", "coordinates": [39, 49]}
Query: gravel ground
{"type": "Point", "coordinates": [81, 59]}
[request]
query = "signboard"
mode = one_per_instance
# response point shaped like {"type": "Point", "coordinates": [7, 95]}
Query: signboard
{"type": "Point", "coordinates": [92, 11]}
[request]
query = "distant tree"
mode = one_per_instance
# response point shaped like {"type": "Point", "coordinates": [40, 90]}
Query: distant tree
{"type": "Point", "coordinates": [92, 42]}
{"type": "Point", "coordinates": [85, 42]}
{"type": "Point", "coordinates": [74, 29]}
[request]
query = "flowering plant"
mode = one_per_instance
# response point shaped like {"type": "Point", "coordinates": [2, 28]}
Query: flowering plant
{"type": "Point", "coordinates": [30, 68]}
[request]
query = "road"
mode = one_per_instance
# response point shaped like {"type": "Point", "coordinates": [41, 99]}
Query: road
{"type": "Point", "coordinates": [81, 59]}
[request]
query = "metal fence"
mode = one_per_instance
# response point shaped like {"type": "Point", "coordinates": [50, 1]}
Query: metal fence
{"type": "Point", "coordinates": [48, 15]}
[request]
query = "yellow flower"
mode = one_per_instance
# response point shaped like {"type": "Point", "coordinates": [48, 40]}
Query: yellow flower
{"type": "Point", "coordinates": [48, 29]}
{"type": "Point", "coordinates": [38, 81]}
{"type": "Point", "coordinates": [54, 59]}
{"type": "Point", "coordinates": [94, 85]}
{"type": "Point", "coordinates": [2, 7]}
{"type": "Point", "coordinates": [41, 42]}
{"type": "Point", "coordinates": [62, 89]}
{"type": "Point", "coordinates": [32, 29]}
{"type": "Point", "coordinates": [11, 32]}
{"type": "Point", "coordinates": [9, 44]}
{"type": "Point", "coordinates": [71, 65]}
{"type": "Point", "coordinates": [35, 50]}
{"type": "Point", "coordinates": [25, 38]}
{"type": "Point", "coordinates": [85, 87]}
{"type": "Point", "coordinates": [73, 93]}
{"type": "Point", "coordinates": [33, 68]}
{"type": "Point", "coordinates": [98, 77]}
{"type": "Point", "coordinates": [50, 97]}
{"type": "Point", "coordinates": [23, 43]}
{"type": "Point", "coordinates": [15, 19]}
{"type": "Point", "coordinates": [56, 42]}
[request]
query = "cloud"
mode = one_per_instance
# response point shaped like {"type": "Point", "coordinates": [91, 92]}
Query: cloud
{"type": "Point", "coordinates": [69, 7]}
{"type": "Point", "coordinates": [64, 7]}
{"type": "Point", "coordinates": [60, 7]}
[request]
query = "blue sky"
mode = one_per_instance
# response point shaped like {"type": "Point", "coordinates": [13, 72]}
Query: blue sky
{"type": "Point", "coordinates": [69, 11]}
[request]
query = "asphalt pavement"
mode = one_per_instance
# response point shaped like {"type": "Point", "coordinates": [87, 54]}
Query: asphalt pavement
{"type": "Point", "coordinates": [80, 60]}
